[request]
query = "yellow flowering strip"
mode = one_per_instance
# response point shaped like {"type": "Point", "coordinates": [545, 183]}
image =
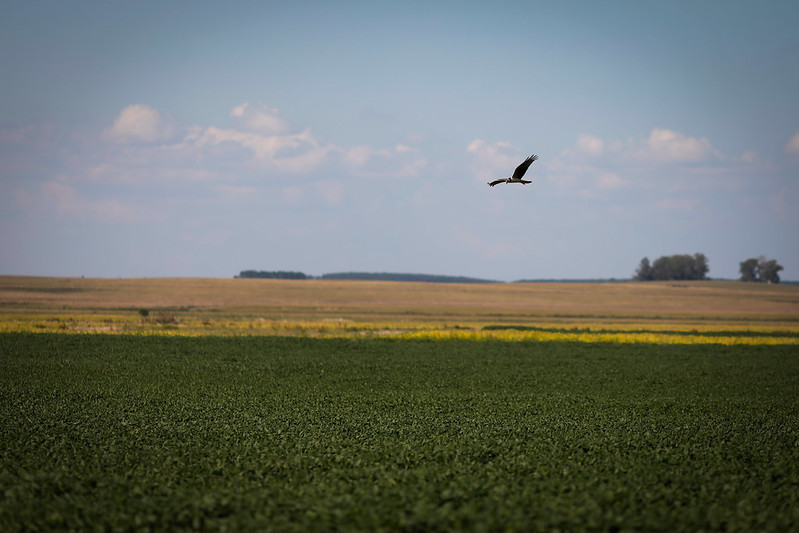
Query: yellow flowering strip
{"type": "Point", "coordinates": [70, 323]}
{"type": "Point", "coordinates": [167, 325]}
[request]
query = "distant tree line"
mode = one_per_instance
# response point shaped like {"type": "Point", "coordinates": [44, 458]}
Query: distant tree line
{"type": "Point", "coordinates": [279, 274]}
{"type": "Point", "coordinates": [760, 269]}
{"type": "Point", "coordinates": [368, 276]}
{"type": "Point", "coordinates": [389, 276]}
{"type": "Point", "coordinates": [673, 267]}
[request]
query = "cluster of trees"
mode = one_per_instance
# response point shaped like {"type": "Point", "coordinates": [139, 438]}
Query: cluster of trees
{"type": "Point", "coordinates": [279, 274]}
{"type": "Point", "coordinates": [680, 267]}
{"type": "Point", "coordinates": [760, 269]}
{"type": "Point", "coordinates": [684, 267]}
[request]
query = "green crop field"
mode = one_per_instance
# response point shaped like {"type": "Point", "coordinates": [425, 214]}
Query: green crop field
{"type": "Point", "coordinates": [133, 432]}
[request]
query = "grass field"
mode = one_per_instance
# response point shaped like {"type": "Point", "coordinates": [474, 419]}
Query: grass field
{"type": "Point", "coordinates": [294, 406]}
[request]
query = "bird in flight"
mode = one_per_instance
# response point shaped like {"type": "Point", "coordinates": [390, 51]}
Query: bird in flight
{"type": "Point", "coordinates": [518, 173]}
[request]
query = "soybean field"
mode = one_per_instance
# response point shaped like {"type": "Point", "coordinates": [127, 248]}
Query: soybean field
{"type": "Point", "coordinates": [299, 433]}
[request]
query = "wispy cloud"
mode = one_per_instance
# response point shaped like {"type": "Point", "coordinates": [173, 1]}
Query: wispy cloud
{"type": "Point", "coordinates": [370, 162]}
{"type": "Point", "coordinates": [662, 146]}
{"type": "Point", "coordinates": [143, 154]}
{"type": "Point", "coordinates": [263, 140]}
{"type": "Point", "coordinates": [612, 164]}
{"type": "Point", "coordinates": [293, 153]}
{"type": "Point", "coordinates": [259, 118]}
{"type": "Point", "coordinates": [141, 123]}
{"type": "Point", "coordinates": [587, 145]}
{"type": "Point", "coordinates": [493, 159]}
{"type": "Point", "coordinates": [667, 170]}
{"type": "Point", "coordinates": [667, 146]}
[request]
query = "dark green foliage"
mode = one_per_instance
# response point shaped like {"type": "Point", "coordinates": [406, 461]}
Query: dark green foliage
{"type": "Point", "coordinates": [760, 269]}
{"type": "Point", "coordinates": [769, 270]}
{"type": "Point", "coordinates": [365, 276]}
{"type": "Point", "coordinates": [115, 432]}
{"type": "Point", "coordinates": [673, 267]}
{"type": "Point", "coordinates": [748, 270]}
{"type": "Point", "coordinates": [279, 274]}
{"type": "Point", "coordinates": [390, 276]}
{"type": "Point", "coordinates": [644, 271]}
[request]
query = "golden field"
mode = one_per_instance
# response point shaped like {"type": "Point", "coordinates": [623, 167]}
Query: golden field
{"type": "Point", "coordinates": [708, 311]}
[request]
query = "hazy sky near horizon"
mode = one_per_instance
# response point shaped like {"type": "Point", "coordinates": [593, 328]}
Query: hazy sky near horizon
{"type": "Point", "coordinates": [188, 138]}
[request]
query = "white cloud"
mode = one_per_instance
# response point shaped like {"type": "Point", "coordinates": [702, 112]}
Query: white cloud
{"type": "Point", "coordinates": [661, 146]}
{"type": "Point", "coordinates": [140, 123]}
{"type": "Point", "coordinates": [590, 144]}
{"type": "Point", "coordinates": [586, 145]}
{"type": "Point", "coordinates": [792, 146]}
{"type": "Point", "coordinates": [669, 146]}
{"type": "Point", "coordinates": [259, 118]}
{"type": "Point", "coordinates": [585, 181]}
{"type": "Point", "coordinates": [259, 141]}
{"type": "Point", "coordinates": [217, 165]}
{"type": "Point", "coordinates": [294, 153]}
{"type": "Point", "coordinates": [367, 161]}
{"type": "Point", "coordinates": [615, 164]}
{"type": "Point", "coordinates": [411, 168]}
{"type": "Point", "coordinates": [576, 178]}
{"type": "Point", "coordinates": [493, 160]}
{"type": "Point", "coordinates": [357, 156]}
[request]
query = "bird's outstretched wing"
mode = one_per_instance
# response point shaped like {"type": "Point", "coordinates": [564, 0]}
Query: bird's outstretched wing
{"type": "Point", "coordinates": [501, 180]}
{"type": "Point", "coordinates": [521, 169]}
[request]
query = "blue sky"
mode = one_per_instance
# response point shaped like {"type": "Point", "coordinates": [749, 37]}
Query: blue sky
{"type": "Point", "coordinates": [202, 139]}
